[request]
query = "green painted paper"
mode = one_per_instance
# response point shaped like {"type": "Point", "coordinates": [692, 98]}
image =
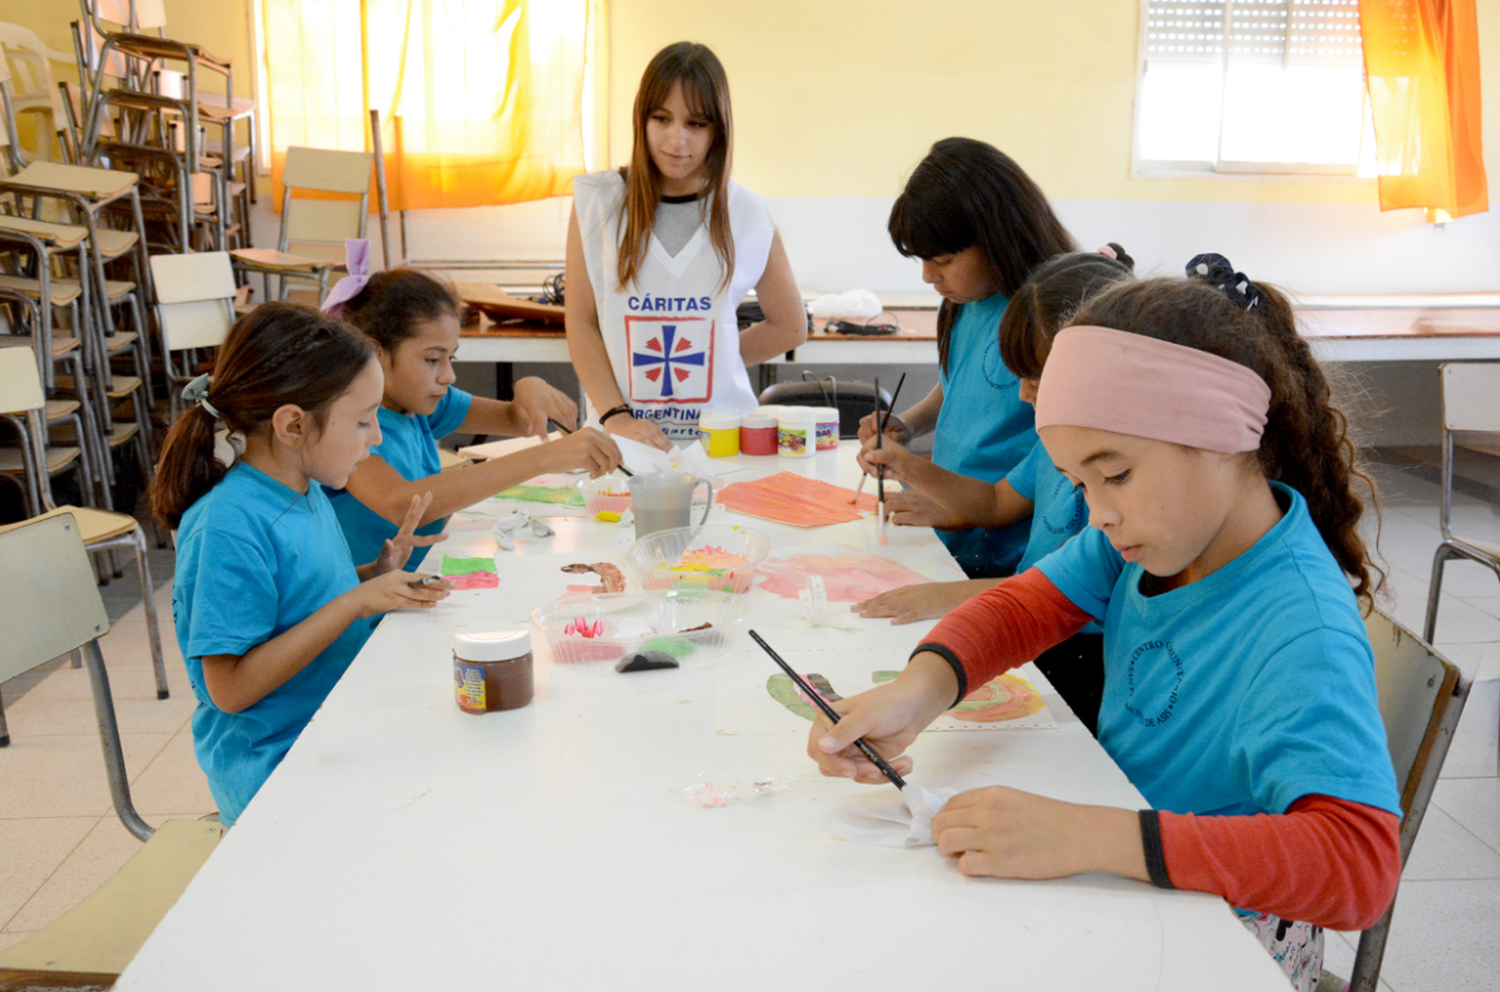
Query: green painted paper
{"type": "Point", "coordinates": [466, 566]}
{"type": "Point", "coordinates": [562, 495]}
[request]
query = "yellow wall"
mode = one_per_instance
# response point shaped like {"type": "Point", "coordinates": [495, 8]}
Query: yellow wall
{"type": "Point", "coordinates": [842, 97]}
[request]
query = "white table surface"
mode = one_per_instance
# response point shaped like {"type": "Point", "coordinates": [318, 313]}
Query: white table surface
{"type": "Point", "coordinates": [404, 844]}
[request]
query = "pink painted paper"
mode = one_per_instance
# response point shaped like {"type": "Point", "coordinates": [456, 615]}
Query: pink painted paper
{"type": "Point", "coordinates": [474, 580]}
{"type": "Point", "coordinates": [789, 498]}
{"type": "Point", "coordinates": [847, 578]}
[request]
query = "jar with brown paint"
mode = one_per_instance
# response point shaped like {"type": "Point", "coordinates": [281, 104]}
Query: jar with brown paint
{"type": "Point", "coordinates": [492, 671]}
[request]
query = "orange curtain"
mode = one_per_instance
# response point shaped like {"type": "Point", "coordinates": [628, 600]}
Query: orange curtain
{"type": "Point", "coordinates": [1422, 70]}
{"type": "Point", "coordinates": [481, 101]}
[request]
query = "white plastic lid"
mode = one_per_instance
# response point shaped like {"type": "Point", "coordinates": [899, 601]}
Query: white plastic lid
{"type": "Point", "coordinates": [758, 420]}
{"type": "Point", "coordinates": [718, 420]}
{"type": "Point", "coordinates": [771, 409]}
{"type": "Point", "coordinates": [497, 645]}
{"type": "Point", "coordinates": [798, 415]}
{"type": "Point", "coordinates": [825, 413]}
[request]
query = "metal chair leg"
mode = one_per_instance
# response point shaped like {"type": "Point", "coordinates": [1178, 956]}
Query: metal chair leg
{"type": "Point", "coordinates": [1434, 589]}
{"type": "Point", "coordinates": [148, 600]}
{"type": "Point", "coordinates": [109, 739]}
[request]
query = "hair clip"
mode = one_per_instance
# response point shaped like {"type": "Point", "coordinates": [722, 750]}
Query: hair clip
{"type": "Point", "coordinates": [196, 392]}
{"type": "Point", "coordinates": [1218, 272]}
{"type": "Point", "coordinates": [357, 261]}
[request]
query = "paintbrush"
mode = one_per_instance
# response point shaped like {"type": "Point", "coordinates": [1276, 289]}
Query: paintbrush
{"type": "Point", "coordinates": [880, 424]}
{"type": "Point", "coordinates": [559, 426]}
{"type": "Point", "coordinates": [828, 711]}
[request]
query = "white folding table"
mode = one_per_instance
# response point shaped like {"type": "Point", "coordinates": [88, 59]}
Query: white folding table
{"type": "Point", "coordinates": [404, 844]}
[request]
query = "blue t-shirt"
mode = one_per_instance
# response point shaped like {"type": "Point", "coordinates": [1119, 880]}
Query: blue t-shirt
{"type": "Point", "coordinates": [1059, 511]}
{"type": "Point", "coordinates": [1243, 691]}
{"type": "Point", "coordinates": [408, 444]}
{"type": "Point", "coordinates": [254, 559]}
{"type": "Point", "coordinates": [983, 430]}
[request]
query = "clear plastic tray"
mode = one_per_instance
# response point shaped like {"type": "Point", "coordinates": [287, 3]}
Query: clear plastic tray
{"type": "Point", "coordinates": [657, 560]}
{"type": "Point", "coordinates": [614, 625]}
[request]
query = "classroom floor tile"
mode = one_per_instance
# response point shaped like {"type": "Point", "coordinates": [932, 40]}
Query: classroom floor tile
{"type": "Point", "coordinates": [1443, 937]}
{"type": "Point", "coordinates": [10, 939]}
{"type": "Point", "coordinates": [64, 704]}
{"type": "Point", "coordinates": [1473, 802]}
{"type": "Point", "coordinates": [34, 848]}
{"type": "Point", "coordinates": [63, 775]}
{"type": "Point", "coordinates": [173, 781]}
{"type": "Point", "coordinates": [1445, 849]}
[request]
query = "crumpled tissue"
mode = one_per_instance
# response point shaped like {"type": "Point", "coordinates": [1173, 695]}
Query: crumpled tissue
{"type": "Point", "coordinates": [907, 825]}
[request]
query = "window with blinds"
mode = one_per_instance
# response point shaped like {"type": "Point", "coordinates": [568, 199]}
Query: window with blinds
{"type": "Point", "coordinates": [1251, 86]}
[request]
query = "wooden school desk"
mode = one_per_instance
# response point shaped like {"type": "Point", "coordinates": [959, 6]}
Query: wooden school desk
{"type": "Point", "coordinates": [403, 844]}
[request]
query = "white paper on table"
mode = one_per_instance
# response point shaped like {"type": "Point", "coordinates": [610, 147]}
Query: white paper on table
{"type": "Point", "coordinates": [642, 459]}
{"type": "Point", "coordinates": [906, 825]}
{"type": "Point", "coordinates": [508, 446]}
{"type": "Point", "coordinates": [744, 706]}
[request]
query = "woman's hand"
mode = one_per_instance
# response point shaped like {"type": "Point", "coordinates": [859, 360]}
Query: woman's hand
{"type": "Point", "coordinates": [397, 550]}
{"type": "Point", "coordinates": [1012, 834]}
{"type": "Point", "coordinates": [638, 429]}
{"type": "Point", "coordinates": [910, 508]}
{"type": "Point", "coordinates": [896, 429]}
{"type": "Point", "coordinates": [919, 601]}
{"type": "Point", "coordinates": [398, 590]}
{"type": "Point", "coordinates": [888, 717]}
{"type": "Point", "coordinates": [537, 402]}
{"type": "Point", "coordinates": [587, 448]}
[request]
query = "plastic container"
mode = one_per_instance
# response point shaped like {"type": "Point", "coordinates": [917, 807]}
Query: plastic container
{"type": "Point", "coordinates": [606, 494]}
{"type": "Point", "coordinates": [720, 430]}
{"type": "Point", "coordinates": [758, 434]}
{"type": "Point", "coordinates": [797, 432]}
{"type": "Point", "coordinates": [693, 626]}
{"type": "Point", "coordinates": [828, 428]}
{"type": "Point", "coordinates": [492, 671]}
{"type": "Point", "coordinates": [721, 557]}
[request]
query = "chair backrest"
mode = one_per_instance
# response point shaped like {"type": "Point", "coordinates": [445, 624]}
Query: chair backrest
{"type": "Point", "coordinates": [28, 59]}
{"type": "Point", "coordinates": [325, 170]}
{"type": "Point", "coordinates": [20, 385]}
{"type": "Point", "coordinates": [1469, 396]}
{"type": "Point", "coordinates": [49, 603]}
{"type": "Point", "coordinates": [1421, 697]}
{"type": "Point", "coordinates": [194, 298]}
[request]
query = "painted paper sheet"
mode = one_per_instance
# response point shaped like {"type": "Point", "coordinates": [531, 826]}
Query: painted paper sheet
{"type": "Point", "coordinates": [849, 575]}
{"type": "Point", "coordinates": [470, 573]}
{"type": "Point", "coordinates": [552, 495]}
{"type": "Point", "coordinates": [760, 699]}
{"type": "Point", "coordinates": [789, 498]}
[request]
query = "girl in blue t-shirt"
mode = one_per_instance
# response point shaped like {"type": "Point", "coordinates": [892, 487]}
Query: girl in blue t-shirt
{"type": "Point", "coordinates": [413, 321]}
{"type": "Point", "coordinates": [980, 225]}
{"type": "Point", "coordinates": [1034, 489]}
{"type": "Point", "coordinates": [1224, 559]}
{"type": "Point", "coordinates": [269, 606]}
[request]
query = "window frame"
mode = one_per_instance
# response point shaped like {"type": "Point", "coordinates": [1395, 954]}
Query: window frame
{"type": "Point", "coordinates": [1223, 169]}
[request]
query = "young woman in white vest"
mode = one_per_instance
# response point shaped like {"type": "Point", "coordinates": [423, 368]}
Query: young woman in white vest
{"type": "Point", "coordinates": [659, 256]}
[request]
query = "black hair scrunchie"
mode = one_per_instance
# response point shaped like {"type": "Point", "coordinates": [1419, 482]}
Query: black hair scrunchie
{"type": "Point", "coordinates": [1218, 272]}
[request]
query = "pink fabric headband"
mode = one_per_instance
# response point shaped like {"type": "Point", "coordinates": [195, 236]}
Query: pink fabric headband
{"type": "Point", "coordinates": [1132, 384]}
{"type": "Point", "coordinates": [357, 261]}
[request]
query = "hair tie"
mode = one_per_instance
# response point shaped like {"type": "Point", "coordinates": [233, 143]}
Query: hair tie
{"type": "Point", "coordinates": [357, 261]}
{"type": "Point", "coordinates": [196, 392]}
{"type": "Point", "coordinates": [1218, 272]}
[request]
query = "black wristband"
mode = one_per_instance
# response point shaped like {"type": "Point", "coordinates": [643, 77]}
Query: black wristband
{"type": "Point", "coordinates": [612, 411]}
{"type": "Point", "coordinates": [1156, 860]}
{"type": "Point", "coordinates": [953, 663]}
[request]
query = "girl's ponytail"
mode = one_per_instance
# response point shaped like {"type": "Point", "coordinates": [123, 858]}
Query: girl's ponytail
{"type": "Point", "coordinates": [1307, 446]}
{"type": "Point", "coordinates": [187, 468]}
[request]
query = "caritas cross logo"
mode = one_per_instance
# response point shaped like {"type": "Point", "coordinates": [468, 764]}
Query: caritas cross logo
{"type": "Point", "coordinates": [671, 359]}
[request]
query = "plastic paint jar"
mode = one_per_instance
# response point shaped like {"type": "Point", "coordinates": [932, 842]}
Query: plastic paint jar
{"type": "Point", "coordinates": [828, 428]}
{"type": "Point", "coordinates": [492, 671]}
{"type": "Point", "coordinates": [720, 430]}
{"type": "Point", "coordinates": [758, 434]}
{"type": "Point", "coordinates": [797, 432]}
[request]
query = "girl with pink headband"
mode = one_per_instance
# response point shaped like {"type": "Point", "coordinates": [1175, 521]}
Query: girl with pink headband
{"type": "Point", "coordinates": [1224, 561]}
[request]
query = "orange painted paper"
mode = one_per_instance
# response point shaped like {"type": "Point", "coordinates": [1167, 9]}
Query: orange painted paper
{"type": "Point", "coordinates": [789, 498]}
